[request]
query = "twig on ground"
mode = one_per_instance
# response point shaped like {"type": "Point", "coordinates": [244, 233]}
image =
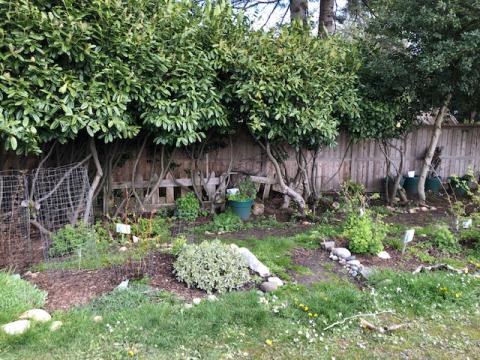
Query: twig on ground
{"type": "Point", "coordinates": [356, 316]}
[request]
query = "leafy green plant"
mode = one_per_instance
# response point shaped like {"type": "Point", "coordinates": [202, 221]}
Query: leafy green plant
{"type": "Point", "coordinates": [364, 234]}
{"type": "Point", "coordinates": [211, 266]}
{"type": "Point", "coordinates": [156, 228]}
{"type": "Point", "coordinates": [444, 239]}
{"type": "Point", "coordinates": [178, 244]}
{"type": "Point", "coordinates": [188, 207]}
{"type": "Point", "coordinates": [71, 238]}
{"type": "Point", "coordinates": [247, 191]}
{"type": "Point", "coordinates": [227, 222]}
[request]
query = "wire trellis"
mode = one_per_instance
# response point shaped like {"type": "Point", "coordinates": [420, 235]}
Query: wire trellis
{"type": "Point", "coordinates": [48, 198]}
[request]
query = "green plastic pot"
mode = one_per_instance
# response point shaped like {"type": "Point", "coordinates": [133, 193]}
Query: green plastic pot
{"type": "Point", "coordinates": [241, 208]}
{"type": "Point", "coordinates": [433, 184]}
{"type": "Point", "coordinates": [411, 185]}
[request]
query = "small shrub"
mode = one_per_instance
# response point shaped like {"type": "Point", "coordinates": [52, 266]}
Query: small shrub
{"type": "Point", "coordinates": [444, 239]}
{"type": "Point", "coordinates": [364, 234]}
{"type": "Point", "coordinates": [211, 266]}
{"type": "Point", "coordinates": [227, 222]}
{"type": "Point", "coordinates": [70, 239]}
{"type": "Point", "coordinates": [156, 228]}
{"type": "Point", "coordinates": [178, 244]}
{"type": "Point", "coordinates": [188, 207]}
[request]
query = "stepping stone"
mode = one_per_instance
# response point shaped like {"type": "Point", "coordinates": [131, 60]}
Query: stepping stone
{"type": "Point", "coordinates": [36, 315]}
{"type": "Point", "coordinates": [16, 327]}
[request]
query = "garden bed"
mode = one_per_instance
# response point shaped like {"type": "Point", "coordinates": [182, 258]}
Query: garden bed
{"type": "Point", "coordinates": [69, 288]}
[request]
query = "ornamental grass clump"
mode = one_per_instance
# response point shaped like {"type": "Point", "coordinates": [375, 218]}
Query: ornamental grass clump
{"type": "Point", "coordinates": [211, 266]}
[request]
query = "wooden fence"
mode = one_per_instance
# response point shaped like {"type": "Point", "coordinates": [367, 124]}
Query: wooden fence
{"type": "Point", "coordinates": [362, 162]}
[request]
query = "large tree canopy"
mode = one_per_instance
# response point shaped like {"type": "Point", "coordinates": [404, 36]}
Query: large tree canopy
{"type": "Point", "coordinates": [108, 69]}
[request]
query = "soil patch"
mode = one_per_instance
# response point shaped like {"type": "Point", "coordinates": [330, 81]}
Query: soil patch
{"type": "Point", "coordinates": [68, 288]}
{"type": "Point", "coordinates": [321, 267]}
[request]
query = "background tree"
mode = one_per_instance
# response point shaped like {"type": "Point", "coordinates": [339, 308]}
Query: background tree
{"type": "Point", "coordinates": [439, 43]}
{"type": "Point", "coordinates": [292, 89]}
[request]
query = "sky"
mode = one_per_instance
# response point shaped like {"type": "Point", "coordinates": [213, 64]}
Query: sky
{"type": "Point", "coordinates": [277, 15]}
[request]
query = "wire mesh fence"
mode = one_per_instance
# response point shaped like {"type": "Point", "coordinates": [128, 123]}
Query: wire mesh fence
{"type": "Point", "coordinates": [36, 204]}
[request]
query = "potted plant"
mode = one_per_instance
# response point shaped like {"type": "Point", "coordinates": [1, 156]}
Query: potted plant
{"type": "Point", "coordinates": [241, 202]}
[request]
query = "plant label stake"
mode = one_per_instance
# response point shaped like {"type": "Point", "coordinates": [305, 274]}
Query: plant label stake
{"type": "Point", "coordinates": [407, 238]}
{"type": "Point", "coordinates": [467, 223]}
{"type": "Point", "coordinates": [123, 229]}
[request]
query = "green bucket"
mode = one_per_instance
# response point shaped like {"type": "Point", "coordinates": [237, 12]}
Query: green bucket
{"type": "Point", "coordinates": [411, 185]}
{"type": "Point", "coordinates": [241, 208]}
{"type": "Point", "coordinates": [433, 184]}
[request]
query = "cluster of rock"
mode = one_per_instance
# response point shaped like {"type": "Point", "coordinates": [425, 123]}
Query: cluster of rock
{"type": "Point", "coordinates": [20, 326]}
{"type": "Point", "coordinates": [270, 283]}
{"type": "Point", "coordinates": [349, 261]}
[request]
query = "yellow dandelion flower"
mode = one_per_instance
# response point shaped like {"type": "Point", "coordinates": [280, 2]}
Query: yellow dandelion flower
{"type": "Point", "coordinates": [301, 305]}
{"type": "Point", "coordinates": [130, 353]}
{"type": "Point", "coordinates": [269, 342]}
{"type": "Point", "coordinates": [315, 315]}
{"type": "Point", "coordinates": [310, 314]}
{"type": "Point", "coordinates": [306, 308]}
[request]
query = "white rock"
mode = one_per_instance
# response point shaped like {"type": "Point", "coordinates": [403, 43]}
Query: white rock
{"type": "Point", "coordinates": [16, 327]}
{"type": "Point", "coordinates": [36, 315]}
{"type": "Point", "coordinates": [384, 255]}
{"type": "Point", "coordinates": [123, 249]}
{"type": "Point", "coordinates": [276, 280]}
{"type": "Point", "coordinates": [212, 297]}
{"type": "Point", "coordinates": [268, 286]}
{"type": "Point", "coordinates": [353, 262]}
{"type": "Point", "coordinates": [135, 239]}
{"type": "Point", "coordinates": [328, 245]}
{"type": "Point", "coordinates": [253, 263]}
{"type": "Point", "coordinates": [123, 285]}
{"type": "Point", "coordinates": [56, 325]}
{"type": "Point", "coordinates": [97, 318]}
{"type": "Point", "coordinates": [342, 252]}
{"type": "Point", "coordinates": [196, 301]}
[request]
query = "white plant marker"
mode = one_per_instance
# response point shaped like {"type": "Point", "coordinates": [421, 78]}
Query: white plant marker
{"type": "Point", "coordinates": [408, 237]}
{"type": "Point", "coordinates": [467, 223]}
{"type": "Point", "coordinates": [362, 211]}
{"type": "Point", "coordinates": [123, 229]}
{"type": "Point", "coordinates": [411, 174]}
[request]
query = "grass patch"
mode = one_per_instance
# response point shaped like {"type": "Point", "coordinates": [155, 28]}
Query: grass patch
{"type": "Point", "coordinates": [17, 296]}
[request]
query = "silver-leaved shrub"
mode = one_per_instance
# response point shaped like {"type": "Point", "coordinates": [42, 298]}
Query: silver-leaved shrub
{"type": "Point", "coordinates": [211, 266]}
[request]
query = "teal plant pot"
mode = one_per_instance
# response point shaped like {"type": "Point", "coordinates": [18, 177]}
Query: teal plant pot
{"type": "Point", "coordinates": [433, 184]}
{"type": "Point", "coordinates": [241, 208]}
{"type": "Point", "coordinates": [411, 185]}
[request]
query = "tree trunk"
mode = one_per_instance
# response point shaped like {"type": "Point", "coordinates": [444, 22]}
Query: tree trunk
{"type": "Point", "coordinates": [286, 190]}
{"type": "Point", "coordinates": [95, 182]}
{"type": "Point", "coordinates": [326, 19]}
{"type": "Point", "coordinates": [431, 148]}
{"type": "Point", "coordinates": [299, 11]}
